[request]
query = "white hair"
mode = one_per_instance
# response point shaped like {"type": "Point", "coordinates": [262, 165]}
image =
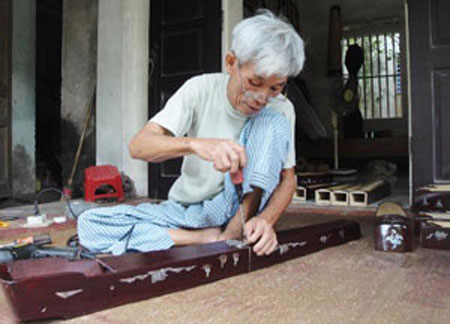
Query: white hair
{"type": "Point", "coordinates": [270, 43]}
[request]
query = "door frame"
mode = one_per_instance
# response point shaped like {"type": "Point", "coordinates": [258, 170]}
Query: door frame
{"type": "Point", "coordinates": [6, 188]}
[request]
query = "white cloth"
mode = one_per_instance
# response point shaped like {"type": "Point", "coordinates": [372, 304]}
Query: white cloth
{"type": "Point", "coordinates": [200, 108]}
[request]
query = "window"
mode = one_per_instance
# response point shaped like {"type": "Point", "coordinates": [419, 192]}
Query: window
{"type": "Point", "coordinates": [379, 79]}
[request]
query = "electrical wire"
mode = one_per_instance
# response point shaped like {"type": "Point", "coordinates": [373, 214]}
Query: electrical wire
{"type": "Point", "coordinates": [39, 194]}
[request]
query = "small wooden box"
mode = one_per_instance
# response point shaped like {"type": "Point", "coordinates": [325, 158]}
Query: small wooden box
{"type": "Point", "coordinates": [432, 198]}
{"type": "Point", "coordinates": [394, 234]}
{"type": "Point", "coordinates": [433, 236]}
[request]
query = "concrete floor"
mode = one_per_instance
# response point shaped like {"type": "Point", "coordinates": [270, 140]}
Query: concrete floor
{"type": "Point", "coordinates": [351, 283]}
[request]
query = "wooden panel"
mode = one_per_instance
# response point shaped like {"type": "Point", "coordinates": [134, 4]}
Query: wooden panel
{"type": "Point", "coordinates": [4, 161]}
{"type": "Point", "coordinates": [57, 288]}
{"type": "Point", "coordinates": [4, 111]}
{"type": "Point", "coordinates": [175, 11]}
{"type": "Point", "coordinates": [440, 10]}
{"type": "Point", "coordinates": [302, 241]}
{"type": "Point", "coordinates": [5, 12]}
{"type": "Point", "coordinates": [189, 43]}
{"type": "Point", "coordinates": [429, 27]}
{"type": "Point", "coordinates": [185, 40]}
{"type": "Point", "coordinates": [360, 148]}
{"type": "Point", "coordinates": [5, 97]}
{"type": "Point", "coordinates": [441, 115]}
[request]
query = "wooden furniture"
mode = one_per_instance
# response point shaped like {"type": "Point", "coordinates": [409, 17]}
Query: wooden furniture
{"type": "Point", "coordinates": [52, 288]}
{"type": "Point", "coordinates": [394, 229]}
{"type": "Point", "coordinates": [360, 148]}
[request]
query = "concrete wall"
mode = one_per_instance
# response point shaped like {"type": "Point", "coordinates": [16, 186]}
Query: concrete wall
{"type": "Point", "coordinates": [23, 97]}
{"type": "Point", "coordinates": [233, 12]}
{"type": "Point", "coordinates": [122, 84]}
{"type": "Point", "coordinates": [314, 16]}
{"type": "Point", "coordinates": [79, 53]}
{"type": "Point", "coordinates": [79, 78]}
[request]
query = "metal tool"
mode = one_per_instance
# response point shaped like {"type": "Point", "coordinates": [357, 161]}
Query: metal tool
{"type": "Point", "coordinates": [237, 179]}
{"type": "Point", "coordinates": [36, 239]}
{"type": "Point", "coordinates": [4, 224]}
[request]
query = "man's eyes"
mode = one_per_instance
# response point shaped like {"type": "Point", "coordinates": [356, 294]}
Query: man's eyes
{"type": "Point", "coordinates": [258, 84]}
{"type": "Point", "coordinates": [255, 83]}
{"type": "Point", "coordinates": [275, 89]}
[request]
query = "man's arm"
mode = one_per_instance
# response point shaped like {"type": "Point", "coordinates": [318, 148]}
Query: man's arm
{"type": "Point", "coordinates": [154, 143]}
{"type": "Point", "coordinates": [281, 197]}
{"type": "Point", "coordinates": [260, 228]}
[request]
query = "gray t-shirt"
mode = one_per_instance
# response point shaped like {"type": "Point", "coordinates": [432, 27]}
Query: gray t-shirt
{"type": "Point", "coordinates": [200, 108]}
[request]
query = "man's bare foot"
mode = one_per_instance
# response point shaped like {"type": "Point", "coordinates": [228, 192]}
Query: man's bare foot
{"type": "Point", "coordinates": [198, 236]}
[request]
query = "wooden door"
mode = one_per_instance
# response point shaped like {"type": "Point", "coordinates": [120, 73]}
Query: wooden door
{"type": "Point", "coordinates": [5, 97]}
{"type": "Point", "coordinates": [429, 26]}
{"type": "Point", "coordinates": [185, 40]}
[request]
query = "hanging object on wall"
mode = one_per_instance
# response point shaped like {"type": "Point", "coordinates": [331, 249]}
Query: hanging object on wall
{"type": "Point", "coordinates": [352, 118]}
{"type": "Point", "coordinates": [334, 70]}
{"type": "Point", "coordinates": [334, 62]}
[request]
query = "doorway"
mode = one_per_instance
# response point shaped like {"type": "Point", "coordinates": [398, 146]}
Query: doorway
{"type": "Point", "coordinates": [185, 40]}
{"type": "Point", "coordinates": [48, 92]}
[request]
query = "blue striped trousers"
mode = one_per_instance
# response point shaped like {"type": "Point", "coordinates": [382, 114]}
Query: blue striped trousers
{"type": "Point", "coordinates": [144, 227]}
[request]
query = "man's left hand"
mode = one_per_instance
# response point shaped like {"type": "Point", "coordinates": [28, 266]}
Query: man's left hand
{"type": "Point", "coordinates": [258, 229]}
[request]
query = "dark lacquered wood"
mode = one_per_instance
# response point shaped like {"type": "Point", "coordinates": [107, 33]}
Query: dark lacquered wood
{"type": "Point", "coordinates": [434, 237]}
{"type": "Point", "coordinates": [299, 242]}
{"type": "Point", "coordinates": [425, 200]}
{"type": "Point", "coordinates": [5, 97]}
{"type": "Point", "coordinates": [39, 289]}
{"type": "Point", "coordinates": [312, 178]}
{"type": "Point", "coordinates": [430, 81]}
{"type": "Point", "coordinates": [358, 148]}
{"type": "Point", "coordinates": [185, 40]}
{"type": "Point", "coordinates": [394, 235]}
{"type": "Point", "coordinates": [56, 288]}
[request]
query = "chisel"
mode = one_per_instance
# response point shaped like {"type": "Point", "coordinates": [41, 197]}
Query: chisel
{"type": "Point", "coordinates": [237, 179]}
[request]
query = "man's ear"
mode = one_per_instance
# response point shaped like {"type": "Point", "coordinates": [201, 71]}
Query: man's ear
{"type": "Point", "coordinates": [231, 62]}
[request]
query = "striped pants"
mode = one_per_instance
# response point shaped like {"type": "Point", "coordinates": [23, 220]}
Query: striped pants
{"type": "Point", "coordinates": [144, 227]}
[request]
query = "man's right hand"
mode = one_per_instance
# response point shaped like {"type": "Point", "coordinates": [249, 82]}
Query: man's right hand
{"type": "Point", "coordinates": [226, 155]}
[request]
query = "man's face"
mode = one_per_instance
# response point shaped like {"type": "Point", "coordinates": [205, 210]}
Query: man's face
{"type": "Point", "coordinates": [249, 92]}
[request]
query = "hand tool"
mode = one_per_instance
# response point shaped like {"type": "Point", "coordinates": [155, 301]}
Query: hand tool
{"type": "Point", "coordinates": [36, 239]}
{"type": "Point", "coordinates": [237, 179]}
{"type": "Point", "coordinates": [4, 224]}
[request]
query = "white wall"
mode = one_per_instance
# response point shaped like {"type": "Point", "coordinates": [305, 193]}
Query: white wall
{"type": "Point", "coordinates": [122, 84]}
{"type": "Point", "coordinates": [233, 12]}
{"type": "Point", "coordinates": [23, 97]}
{"type": "Point", "coordinates": [79, 53]}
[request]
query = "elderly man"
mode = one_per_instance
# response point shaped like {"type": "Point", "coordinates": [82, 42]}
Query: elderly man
{"type": "Point", "coordinates": [220, 123]}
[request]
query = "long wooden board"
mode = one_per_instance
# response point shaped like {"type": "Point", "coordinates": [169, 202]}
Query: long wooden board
{"type": "Point", "coordinates": [53, 288]}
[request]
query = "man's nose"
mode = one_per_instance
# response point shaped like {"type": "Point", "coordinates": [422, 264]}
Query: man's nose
{"type": "Point", "coordinates": [262, 97]}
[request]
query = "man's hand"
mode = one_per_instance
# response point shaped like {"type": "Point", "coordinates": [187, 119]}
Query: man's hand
{"type": "Point", "coordinates": [156, 144]}
{"type": "Point", "coordinates": [257, 229]}
{"type": "Point", "coordinates": [225, 154]}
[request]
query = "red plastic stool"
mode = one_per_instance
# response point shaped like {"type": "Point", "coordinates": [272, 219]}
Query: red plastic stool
{"type": "Point", "coordinates": [102, 175]}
